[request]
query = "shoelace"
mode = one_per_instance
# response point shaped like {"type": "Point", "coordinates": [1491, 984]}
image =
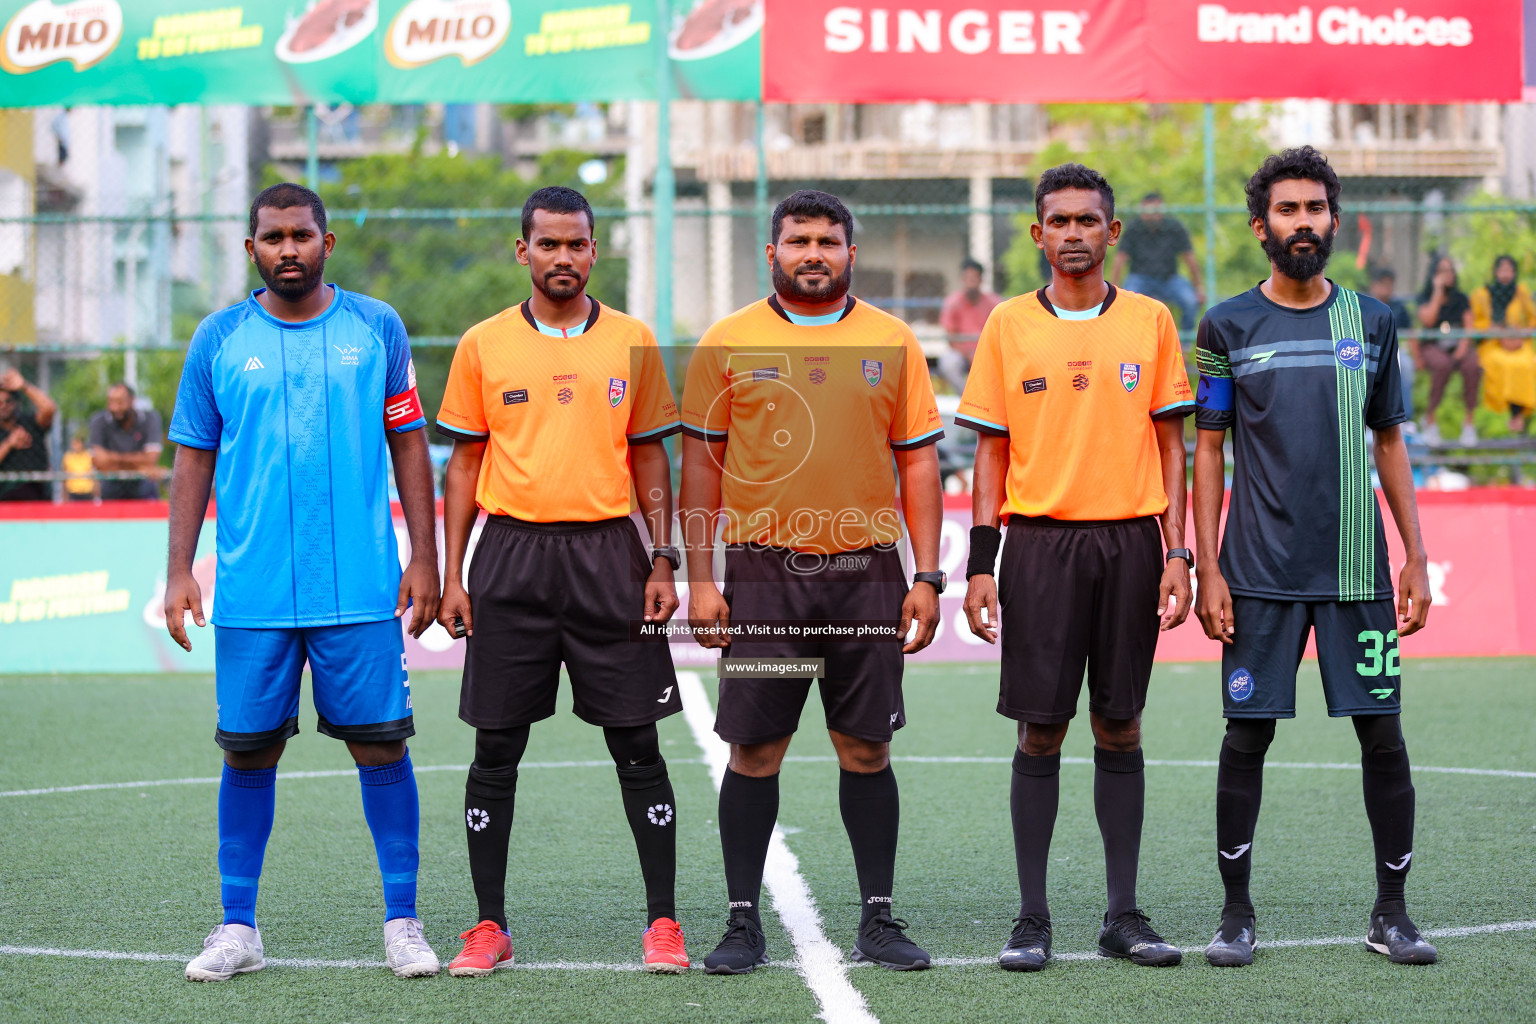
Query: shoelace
{"type": "Point", "coordinates": [1026, 927]}
{"type": "Point", "coordinates": [410, 939]}
{"type": "Point", "coordinates": [667, 939]}
{"type": "Point", "coordinates": [743, 930]}
{"type": "Point", "coordinates": [1140, 926]}
{"type": "Point", "coordinates": [885, 929]}
{"type": "Point", "coordinates": [481, 940]}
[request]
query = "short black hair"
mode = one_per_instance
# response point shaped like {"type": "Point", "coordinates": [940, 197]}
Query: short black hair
{"type": "Point", "coordinates": [286, 196]}
{"type": "Point", "coordinates": [972, 265]}
{"type": "Point", "coordinates": [1074, 175]}
{"type": "Point", "coordinates": [1383, 274]}
{"type": "Point", "coordinates": [1152, 197]}
{"type": "Point", "coordinates": [556, 199]}
{"type": "Point", "coordinates": [1300, 163]}
{"type": "Point", "coordinates": [810, 204]}
{"type": "Point", "coordinates": [125, 386]}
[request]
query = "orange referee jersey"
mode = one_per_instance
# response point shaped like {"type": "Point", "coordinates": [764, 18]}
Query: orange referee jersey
{"type": "Point", "coordinates": [810, 414]}
{"type": "Point", "coordinates": [559, 414]}
{"type": "Point", "coordinates": [1076, 399]}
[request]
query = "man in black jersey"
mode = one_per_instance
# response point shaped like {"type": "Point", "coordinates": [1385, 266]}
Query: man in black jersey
{"type": "Point", "coordinates": [1298, 368]}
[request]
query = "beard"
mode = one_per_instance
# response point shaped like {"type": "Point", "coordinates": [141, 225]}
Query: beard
{"type": "Point", "coordinates": [564, 290]}
{"type": "Point", "coordinates": [291, 289]}
{"type": "Point", "coordinates": [1298, 266]}
{"type": "Point", "coordinates": [828, 291]}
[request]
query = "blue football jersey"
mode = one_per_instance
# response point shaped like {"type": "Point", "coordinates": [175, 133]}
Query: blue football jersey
{"type": "Point", "coordinates": [298, 414]}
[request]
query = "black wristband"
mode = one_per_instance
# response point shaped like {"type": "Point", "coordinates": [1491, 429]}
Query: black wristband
{"type": "Point", "coordinates": [985, 542]}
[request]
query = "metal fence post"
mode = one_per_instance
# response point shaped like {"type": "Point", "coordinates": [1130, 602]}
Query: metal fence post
{"type": "Point", "coordinates": [664, 185]}
{"type": "Point", "coordinates": [312, 148]}
{"type": "Point", "coordinates": [760, 203]}
{"type": "Point", "coordinates": [1210, 205]}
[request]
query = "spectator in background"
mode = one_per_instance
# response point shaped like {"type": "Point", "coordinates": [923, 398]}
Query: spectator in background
{"type": "Point", "coordinates": [1384, 290]}
{"type": "Point", "coordinates": [963, 315]}
{"type": "Point", "coordinates": [1445, 307]}
{"type": "Point", "coordinates": [127, 440]}
{"type": "Point", "coordinates": [81, 482]}
{"type": "Point", "coordinates": [23, 438]}
{"type": "Point", "coordinates": [1151, 245]}
{"type": "Point", "coordinates": [1509, 364]}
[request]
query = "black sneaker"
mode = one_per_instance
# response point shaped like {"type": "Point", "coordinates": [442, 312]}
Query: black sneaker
{"type": "Point", "coordinates": [1395, 935]}
{"type": "Point", "coordinates": [1235, 939]}
{"type": "Point", "coordinates": [741, 951]}
{"type": "Point", "coordinates": [1130, 937]}
{"type": "Point", "coordinates": [1029, 947]}
{"type": "Point", "coordinates": [883, 940]}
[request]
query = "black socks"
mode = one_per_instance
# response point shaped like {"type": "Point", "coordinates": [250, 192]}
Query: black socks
{"type": "Point", "coordinates": [1389, 804]}
{"type": "Point", "coordinates": [489, 795]}
{"type": "Point", "coordinates": [1239, 789]}
{"type": "Point", "coordinates": [651, 810]}
{"type": "Point", "coordinates": [1119, 801]}
{"type": "Point", "coordinates": [871, 809]}
{"type": "Point", "coordinates": [1033, 799]}
{"type": "Point", "coordinates": [749, 807]}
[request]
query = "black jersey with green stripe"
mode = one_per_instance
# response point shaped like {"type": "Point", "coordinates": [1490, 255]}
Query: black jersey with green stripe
{"type": "Point", "coordinates": [1299, 388]}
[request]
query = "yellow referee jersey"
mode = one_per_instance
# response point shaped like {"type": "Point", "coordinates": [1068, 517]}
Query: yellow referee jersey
{"type": "Point", "coordinates": [810, 415]}
{"type": "Point", "coordinates": [1076, 399]}
{"type": "Point", "coordinates": [558, 414]}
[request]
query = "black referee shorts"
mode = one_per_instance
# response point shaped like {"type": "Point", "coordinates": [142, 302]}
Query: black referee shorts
{"type": "Point", "coordinates": [1076, 595]}
{"type": "Point", "coordinates": [861, 690]}
{"type": "Point", "coordinates": [546, 593]}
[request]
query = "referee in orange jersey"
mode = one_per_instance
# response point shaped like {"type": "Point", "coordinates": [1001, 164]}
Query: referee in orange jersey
{"type": "Point", "coordinates": [557, 408]}
{"type": "Point", "coordinates": [1079, 394]}
{"type": "Point", "coordinates": [794, 411]}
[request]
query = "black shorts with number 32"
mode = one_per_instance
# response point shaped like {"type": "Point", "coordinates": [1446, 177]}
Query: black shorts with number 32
{"type": "Point", "coordinates": [1356, 653]}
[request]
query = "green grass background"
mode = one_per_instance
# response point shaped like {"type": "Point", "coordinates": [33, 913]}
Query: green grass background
{"type": "Point", "coordinates": [133, 869]}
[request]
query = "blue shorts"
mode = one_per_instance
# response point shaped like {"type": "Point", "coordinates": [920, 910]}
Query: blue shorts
{"type": "Point", "coordinates": [1356, 654]}
{"type": "Point", "coordinates": [361, 688]}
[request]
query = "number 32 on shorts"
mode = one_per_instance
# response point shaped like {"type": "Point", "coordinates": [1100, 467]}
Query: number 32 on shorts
{"type": "Point", "coordinates": [1380, 653]}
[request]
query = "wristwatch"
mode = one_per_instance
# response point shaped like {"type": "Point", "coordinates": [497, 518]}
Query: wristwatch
{"type": "Point", "coordinates": [936, 579]}
{"type": "Point", "coordinates": [1184, 553]}
{"type": "Point", "coordinates": [670, 554]}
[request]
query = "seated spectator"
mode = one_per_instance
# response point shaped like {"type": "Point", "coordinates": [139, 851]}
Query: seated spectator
{"type": "Point", "coordinates": [1445, 307]}
{"type": "Point", "coordinates": [963, 315]}
{"type": "Point", "coordinates": [24, 438]}
{"type": "Point", "coordinates": [126, 440]}
{"type": "Point", "coordinates": [1509, 364]}
{"type": "Point", "coordinates": [81, 482]}
{"type": "Point", "coordinates": [1152, 246]}
{"type": "Point", "coordinates": [1384, 290]}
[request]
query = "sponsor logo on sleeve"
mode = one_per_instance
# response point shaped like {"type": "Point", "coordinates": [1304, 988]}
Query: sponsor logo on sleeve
{"type": "Point", "coordinates": [517, 397]}
{"type": "Point", "coordinates": [766, 373]}
{"type": "Point", "coordinates": [1240, 685]}
{"type": "Point", "coordinates": [1036, 384]}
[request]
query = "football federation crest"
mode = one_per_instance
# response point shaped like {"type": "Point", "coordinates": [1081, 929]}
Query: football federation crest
{"type": "Point", "coordinates": [616, 389]}
{"type": "Point", "coordinates": [1240, 685]}
{"type": "Point", "coordinates": [1350, 353]}
{"type": "Point", "coordinates": [872, 371]}
{"type": "Point", "coordinates": [1130, 375]}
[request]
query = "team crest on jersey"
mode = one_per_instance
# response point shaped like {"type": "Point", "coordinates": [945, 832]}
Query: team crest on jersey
{"type": "Point", "coordinates": [616, 389]}
{"type": "Point", "coordinates": [873, 369]}
{"type": "Point", "coordinates": [1130, 375]}
{"type": "Point", "coordinates": [1240, 685]}
{"type": "Point", "coordinates": [1350, 353]}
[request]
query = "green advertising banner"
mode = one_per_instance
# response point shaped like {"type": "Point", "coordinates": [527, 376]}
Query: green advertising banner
{"type": "Point", "coordinates": [371, 51]}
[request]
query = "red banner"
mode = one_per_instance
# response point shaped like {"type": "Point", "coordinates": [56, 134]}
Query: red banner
{"type": "Point", "coordinates": [1419, 51]}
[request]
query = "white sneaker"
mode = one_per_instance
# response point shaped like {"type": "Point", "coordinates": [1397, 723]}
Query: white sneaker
{"type": "Point", "coordinates": [1468, 434]}
{"type": "Point", "coordinates": [1431, 432]}
{"type": "Point", "coordinates": [406, 950]}
{"type": "Point", "coordinates": [229, 949]}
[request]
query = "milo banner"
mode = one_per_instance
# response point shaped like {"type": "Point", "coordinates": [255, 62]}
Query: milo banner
{"type": "Point", "coordinates": [371, 51]}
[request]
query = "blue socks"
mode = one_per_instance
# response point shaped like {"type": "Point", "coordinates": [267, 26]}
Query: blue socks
{"type": "Point", "coordinates": [245, 821]}
{"type": "Point", "coordinates": [393, 813]}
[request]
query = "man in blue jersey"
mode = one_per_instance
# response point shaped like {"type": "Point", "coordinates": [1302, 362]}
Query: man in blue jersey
{"type": "Point", "coordinates": [1299, 369]}
{"type": "Point", "coordinates": [288, 402]}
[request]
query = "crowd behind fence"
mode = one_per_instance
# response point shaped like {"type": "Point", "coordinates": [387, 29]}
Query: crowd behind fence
{"type": "Point", "coordinates": [107, 286]}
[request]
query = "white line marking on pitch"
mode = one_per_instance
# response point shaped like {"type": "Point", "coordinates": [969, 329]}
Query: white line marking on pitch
{"type": "Point", "coordinates": [1504, 927]}
{"type": "Point", "coordinates": [1502, 773]}
{"type": "Point", "coordinates": [819, 962]}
